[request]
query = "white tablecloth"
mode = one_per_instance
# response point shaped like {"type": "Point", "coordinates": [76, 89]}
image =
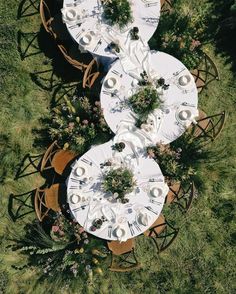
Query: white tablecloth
{"type": "Point", "coordinates": [166, 123]}
{"type": "Point", "coordinates": [92, 202]}
{"type": "Point", "coordinates": [145, 18]}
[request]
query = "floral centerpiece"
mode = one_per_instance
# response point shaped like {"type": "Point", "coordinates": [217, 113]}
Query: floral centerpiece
{"type": "Point", "coordinates": [117, 12]}
{"type": "Point", "coordinates": [120, 182]}
{"type": "Point", "coordinates": [144, 102]}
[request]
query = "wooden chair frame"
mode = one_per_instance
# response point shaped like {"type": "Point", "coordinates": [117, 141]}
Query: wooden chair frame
{"type": "Point", "coordinates": [183, 196]}
{"type": "Point", "coordinates": [46, 163]}
{"type": "Point", "coordinates": [75, 63]}
{"type": "Point", "coordinates": [164, 239]}
{"type": "Point", "coordinates": [206, 73]}
{"type": "Point", "coordinates": [166, 6]}
{"type": "Point", "coordinates": [46, 16]}
{"type": "Point", "coordinates": [90, 76]}
{"type": "Point", "coordinates": [212, 128]}
{"type": "Point", "coordinates": [124, 263]}
{"type": "Point", "coordinates": [40, 201]}
{"type": "Point", "coordinates": [57, 159]}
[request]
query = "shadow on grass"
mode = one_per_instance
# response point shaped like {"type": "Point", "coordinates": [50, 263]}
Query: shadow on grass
{"type": "Point", "coordinates": [27, 8]}
{"type": "Point", "coordinates": [223, 29]}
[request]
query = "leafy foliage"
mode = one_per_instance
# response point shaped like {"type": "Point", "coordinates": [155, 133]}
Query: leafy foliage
{"type": "Point", "coordinates": [144, 102]}
{"type": "Point", "coordinates": [76, 123]}
{"type": "Point", "coordinates": [180, 160]}
{"type": "Point", "coordinates": [119, 181]}
{"type": "Point", "coordinates": [182, 33]}
{"type": "Point", "coordinates": [68, 252]}
{"type": "Point", "coordinates": [117, 12]}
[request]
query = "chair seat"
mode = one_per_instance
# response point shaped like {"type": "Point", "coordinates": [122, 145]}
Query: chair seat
{"type": "Point", "coordinates": [51, 197]}
{"type": "Point", "coordinates": [202, 124]}
{"type": "Point", "coordinates": [61, 159]}
{"type": "Point", "coordinates": [119, 248]}
{"type": "Point", "coordinates": [159, 227]}
{"type": "Point", "coordinates": [171, 194]}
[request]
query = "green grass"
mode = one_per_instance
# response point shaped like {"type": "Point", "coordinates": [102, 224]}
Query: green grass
{"type": "Point", "coordinates": [201, 260]}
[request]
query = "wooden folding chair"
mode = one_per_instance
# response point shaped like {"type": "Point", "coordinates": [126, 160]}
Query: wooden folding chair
{"type": "Point", "coordinates": [91, 74]}
{"type": "Point", "coordinates": [46, 200]}
{"type": "Point", "coordinates": [123, 257]}
{"type": "Point", "coordinates": [56, 158]}
{"type": "Point", "coordinates": [162, 233]}
{"type": "Point", "coordinates": [209, 127]}
{"type": "Point", "coordinates": [166, 6]}
{"type": "Point", "coordinates": [181, 195]}
{"type": "Point", "coordinates": [205, 73]}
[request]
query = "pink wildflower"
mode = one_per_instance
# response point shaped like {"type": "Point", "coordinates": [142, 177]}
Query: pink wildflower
{"type": "Point", "coordinates": [55, 229]}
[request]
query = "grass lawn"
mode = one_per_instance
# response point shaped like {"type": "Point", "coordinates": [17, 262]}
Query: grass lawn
{"type": "Point", "coordinates": [202, 258]}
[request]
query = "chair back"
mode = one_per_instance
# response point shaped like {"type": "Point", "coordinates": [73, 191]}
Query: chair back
{"type": "Point", "coordinates": [162, 233]}
{"type": "Point", "coordinates": [56, 158]}
{"type": "Point", "coordinates": [46, 162]}
{"type": "Point", "coordinates": [205, 73]}
{"type": "Point", "coordinates": [91, 74]}
{"type": "Point", "coordinates": [46, 199]}
{"type": "Point", "coordinates": [166, 6]}
{"type": "Point", "coordinates": [75, 63]}
{"type": "Point", "coordinates": [181, 195]}
{"type": "Point", "coordinates": [209, 127]}
{"type": "Point", "coordinates": [123, 257]}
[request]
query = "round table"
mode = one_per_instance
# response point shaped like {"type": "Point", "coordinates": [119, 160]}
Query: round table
{"type": "Point", "coordinates": [166, 122]}
{"type": "Point", "coordinates": [145, 14]}
{"type": "Point", "coordinates": [88, 201]}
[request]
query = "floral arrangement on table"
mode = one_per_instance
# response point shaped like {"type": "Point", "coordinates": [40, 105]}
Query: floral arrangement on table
{"type": "Point", "coordinates": [119, 182]}
{"type": "Point", "coordinates": [182, 32]}
{"type": "Point", "coordinates": [117, 12]}
{"type": "Point", "coordinates": [66, 253]}
{"type": "Point", "coordinates": [180, 160]}
{"type": "Point", "coordinates": [77, 123]}
{"type": "Point", "coordinates": [145, 101]}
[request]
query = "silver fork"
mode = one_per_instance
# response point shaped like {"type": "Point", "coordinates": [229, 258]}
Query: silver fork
{"type": "Point", "coordinates": [137, 226]}
{"type": "Point", "coordinates": [109, 231]}
{"type": "Point", "coordinates": [155, 202]}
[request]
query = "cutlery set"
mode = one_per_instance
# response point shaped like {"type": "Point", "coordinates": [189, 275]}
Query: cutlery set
{"type": "Point", "coordinates": [115, 72]}
{"type": "Point", "coordinates": [150, 209]}
{"type": "Point", "coordinates": [151, 4]}
{"type": "Point", "coordinates": [82, 207]}
{"type": "Point", "coordinates": [98, 44]}
{"type": "Point", "coordinates": [79, 34]}
{"type": "Point", "coordinates": [87, 161]}
{"type": "Point", "coordinates": [75, 26]}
